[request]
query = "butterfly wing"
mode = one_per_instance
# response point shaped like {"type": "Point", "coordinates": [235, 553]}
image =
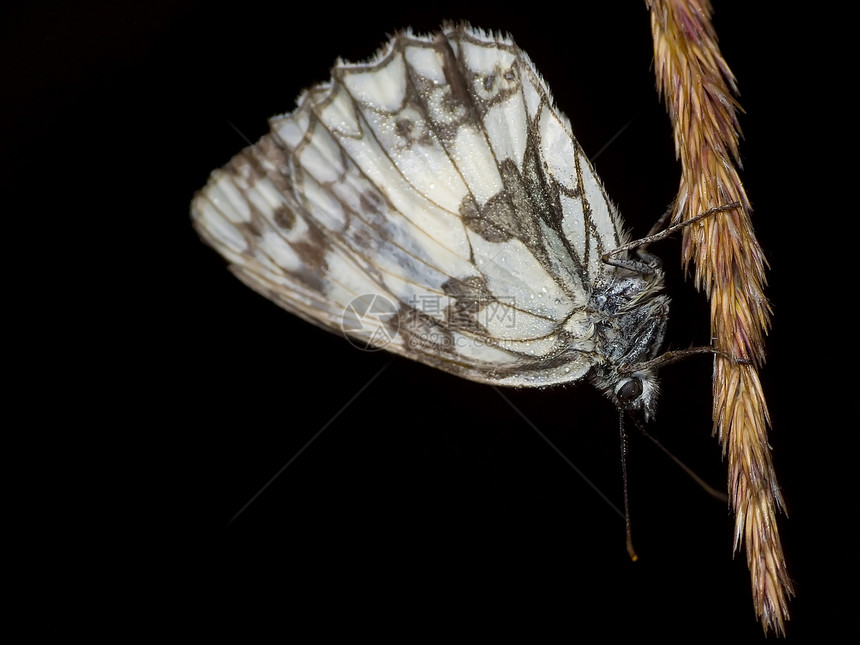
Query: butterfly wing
{"type": "Point", "coordinates": [432, 201]}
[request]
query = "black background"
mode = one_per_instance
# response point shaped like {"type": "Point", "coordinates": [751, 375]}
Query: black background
{"type": "Point", "coordinates": [163, 395]}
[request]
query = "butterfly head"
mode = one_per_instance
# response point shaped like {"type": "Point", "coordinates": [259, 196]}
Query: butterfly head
{"type": "Point", "coordinates": [637, 391]}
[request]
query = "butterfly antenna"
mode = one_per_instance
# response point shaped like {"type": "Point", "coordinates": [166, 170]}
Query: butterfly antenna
{"type": "Point", "coordinates": [713, 492]}
{"type": "Point", "coordinates": [623, 435]}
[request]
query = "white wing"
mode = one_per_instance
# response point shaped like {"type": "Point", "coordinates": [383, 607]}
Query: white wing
{"type": "Point", "coordinates": [437, 177]}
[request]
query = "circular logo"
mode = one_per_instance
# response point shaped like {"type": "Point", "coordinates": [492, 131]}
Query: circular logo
{"type": "Point", "coordinates": [370, 322]}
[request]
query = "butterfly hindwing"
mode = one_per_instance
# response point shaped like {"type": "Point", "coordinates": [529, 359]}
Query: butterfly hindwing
{"type": "Point", "coordinates": [432, 201]}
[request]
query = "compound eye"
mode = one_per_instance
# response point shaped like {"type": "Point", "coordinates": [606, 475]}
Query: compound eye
{"type": "Point", "coordinates": [630, 391]}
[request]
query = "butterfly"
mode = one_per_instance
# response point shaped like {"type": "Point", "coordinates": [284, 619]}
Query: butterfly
{"type": "Point", "coordinates": [434, 202]}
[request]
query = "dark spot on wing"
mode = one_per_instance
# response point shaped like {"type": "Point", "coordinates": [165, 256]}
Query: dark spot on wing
{"type": "Point", "coordinates": [510, 213]}
{"type": "Point", "coordinates": [421, 333]}
{"type": "Point", "coordinates": [493, 222]}
{"type": "Point", "coordinates": [469, 296]}
{"type": "Point", "coordinates": [371, 202]}
{"type": "Point", "coordinates": [284, 217]}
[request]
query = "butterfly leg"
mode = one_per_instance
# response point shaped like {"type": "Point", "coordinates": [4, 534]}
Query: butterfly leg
{"type": "Point", "coordinates": [676, 355]}
{"type": "Point", "coordinates": [649, 264]}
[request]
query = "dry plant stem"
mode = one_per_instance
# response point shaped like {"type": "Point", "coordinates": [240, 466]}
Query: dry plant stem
{"type": "Point", "coordinates": [699, 89]}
